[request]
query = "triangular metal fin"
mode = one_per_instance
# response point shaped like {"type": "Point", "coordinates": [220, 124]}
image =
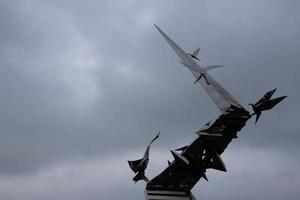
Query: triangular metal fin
{"type": "Point", "coordinates": [180, 158]}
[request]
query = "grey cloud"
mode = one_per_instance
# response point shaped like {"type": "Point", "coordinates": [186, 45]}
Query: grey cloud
{"type": "Point", "coordinates": [80, 81]}
{"type": "Point", "coordinates": [252, 174]}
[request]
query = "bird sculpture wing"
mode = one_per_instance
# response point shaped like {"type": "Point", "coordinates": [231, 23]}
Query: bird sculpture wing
{"type": "Point", "coordinates": [157, 136]}
{"type": "Point", "coordinates": [134, 165]}
{"type": "Point", "coordinates": [273, 103]}
{"type": "Point", "coordinates": [209, 67]}
{"type": "Point", "coordinates": [267, 96]}
{"type": "Point", "coordinates": [196, 52]}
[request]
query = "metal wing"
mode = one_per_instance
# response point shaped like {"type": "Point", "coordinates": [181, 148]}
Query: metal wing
{"type": "Point", "coordinates": [146, 154]}
{"type": "Point", "coordinates": [222, 98]}
{"type": "Point", "coordinates": [134, 164]}
{"type": "Point", "coordinates": [210, 67]}
{"type": "Point", "coordinates": [267, 96]}
{"type": "Point", "coordinates": [157, 136]}
{"type": "Point", "coordinates": [269, 105]}
{"type": "Point", "coordinates": [196, 52]}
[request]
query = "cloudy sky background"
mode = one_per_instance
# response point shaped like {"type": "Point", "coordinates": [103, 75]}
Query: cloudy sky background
{"type": "Point", "coordinates": [86, 85]}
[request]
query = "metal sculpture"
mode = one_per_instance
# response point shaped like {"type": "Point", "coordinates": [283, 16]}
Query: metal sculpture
{"type": "Point", "coordinates": [190, 165]}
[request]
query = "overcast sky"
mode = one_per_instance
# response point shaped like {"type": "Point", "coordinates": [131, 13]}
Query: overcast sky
{"type": "Point", "coordinates": [85, 85]}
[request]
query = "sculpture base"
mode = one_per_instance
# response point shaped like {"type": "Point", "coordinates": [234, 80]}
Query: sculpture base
{"type": "Point", "coordinates": [168, 195]}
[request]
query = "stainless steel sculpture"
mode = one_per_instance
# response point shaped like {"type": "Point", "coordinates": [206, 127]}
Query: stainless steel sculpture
{"type": "Point", "coordinates": [190, 165]}
{"type": "Point", "coordinates": [139, 166]}
{"type": "Point", "coordinates": [265, 103]}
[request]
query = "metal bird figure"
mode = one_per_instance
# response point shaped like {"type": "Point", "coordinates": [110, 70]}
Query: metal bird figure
{"type": "Point", "coordinates": [202, 71]}
{"type": "Point", "coordinates": [195, 54]}
{"type": "Point", "coordinates": [265, 103]}
{"type": "Point", "coordinates": [139, 166]}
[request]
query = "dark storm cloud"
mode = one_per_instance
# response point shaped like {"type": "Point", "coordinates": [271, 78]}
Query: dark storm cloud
{"type": "Point", "coordinates": [80, 81]}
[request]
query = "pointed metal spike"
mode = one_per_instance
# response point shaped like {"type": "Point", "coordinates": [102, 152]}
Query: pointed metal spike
{"type": "Point", "coordinates": [204, 176]}
{"type": "Point", "coordinates": [215, 161]}
{"type": "Point", "coordinates": [180, 158]}
{"type": "Point", "coordinates": [217, 158]}
{"type": "Point", "coordinates": [182, 148]}
{"type": "Point", "coordinates": [257, 117]}
{"type": "Point", "coordinates": [273, 91]}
